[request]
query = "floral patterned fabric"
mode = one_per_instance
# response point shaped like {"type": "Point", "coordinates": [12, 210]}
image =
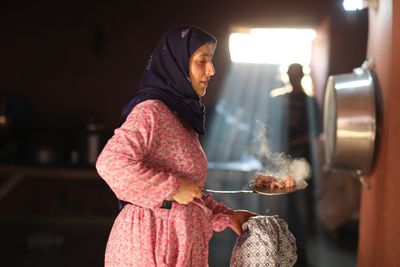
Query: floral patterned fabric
{"type": "Point", "coordinates": [266, 241]}
{"type": "Point", "coordinates": [143, 163]}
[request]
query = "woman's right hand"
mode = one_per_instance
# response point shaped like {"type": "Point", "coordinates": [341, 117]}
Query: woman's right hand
{"type": "Point", "coordinates": [187, 192]}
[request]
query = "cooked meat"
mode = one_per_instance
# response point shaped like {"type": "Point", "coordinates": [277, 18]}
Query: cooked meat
{"type": "Point", "coordinates": [289, 181]}
{"type": "Point", "coordinates": [272, 182]}
{"type": "Point", "coordinates": [264, 181]}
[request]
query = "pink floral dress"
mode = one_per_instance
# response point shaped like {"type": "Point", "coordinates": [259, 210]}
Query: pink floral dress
{"type": "Point", "coordinates": [143, 163]}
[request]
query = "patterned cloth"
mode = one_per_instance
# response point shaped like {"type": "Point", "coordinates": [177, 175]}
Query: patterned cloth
{"type": "Point", "coordinates": [143, 163]}
{"type": "Point", "coordinates": [266, 241]}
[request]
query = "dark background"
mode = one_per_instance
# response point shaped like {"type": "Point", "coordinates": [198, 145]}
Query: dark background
{"type": "Point", "coordinates": [73, 61]}
{"type": "Point", "coordinates": [65, 66]}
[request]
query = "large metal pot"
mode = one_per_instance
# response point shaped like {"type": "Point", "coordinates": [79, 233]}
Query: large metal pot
{"type": "Point", "coordinates": [350, 121]}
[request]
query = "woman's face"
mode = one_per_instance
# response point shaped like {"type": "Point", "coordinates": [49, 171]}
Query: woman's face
{"type": "Point", "coordinates": [201, 68]}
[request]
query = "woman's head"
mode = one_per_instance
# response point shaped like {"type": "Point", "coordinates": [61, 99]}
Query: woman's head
{"type": "Point", "coordinates": [176, 63]}
{"type": "Point", "coordinates": [177, 73]}
{"type": "Point", "coordinates": [201, 68]}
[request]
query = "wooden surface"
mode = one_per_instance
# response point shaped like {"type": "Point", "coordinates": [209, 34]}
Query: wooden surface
{"type": "Point", "coordinates": [379, 240]}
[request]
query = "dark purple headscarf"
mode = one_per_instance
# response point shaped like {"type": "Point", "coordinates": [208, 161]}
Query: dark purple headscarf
{"type": "Point", "coordinates": [166, 76]}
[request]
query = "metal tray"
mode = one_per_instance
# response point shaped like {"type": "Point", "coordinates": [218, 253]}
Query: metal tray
{"type": "Point", "coordinates": [264, 190]}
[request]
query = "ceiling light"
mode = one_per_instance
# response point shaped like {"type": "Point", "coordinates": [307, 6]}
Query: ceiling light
{"type": "Point", "coordinates": [352, 5]}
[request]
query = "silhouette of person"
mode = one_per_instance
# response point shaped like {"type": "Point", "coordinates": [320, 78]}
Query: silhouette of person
{"type": "Point", "coordinates": [301, 128]}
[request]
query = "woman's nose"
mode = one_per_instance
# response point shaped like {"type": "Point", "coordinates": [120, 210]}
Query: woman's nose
{"type": "Point", "coordinates": [210, 69]}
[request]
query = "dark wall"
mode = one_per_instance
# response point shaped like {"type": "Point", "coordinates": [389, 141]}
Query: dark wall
{"type": "Point", "coordinates": [74, 61]}
{"type": "Point", "coordinates": [349, 36]}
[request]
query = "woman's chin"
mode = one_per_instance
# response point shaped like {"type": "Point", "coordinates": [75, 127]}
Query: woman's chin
{"type": "Point", "coordinates": [201, 91]}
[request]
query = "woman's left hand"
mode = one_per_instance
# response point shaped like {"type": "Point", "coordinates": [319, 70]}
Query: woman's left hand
{"type": "Point", "coordinates": [238, 218]}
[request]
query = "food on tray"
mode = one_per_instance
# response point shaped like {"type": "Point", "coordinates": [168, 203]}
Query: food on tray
{"type": "Point", "coordinates": [268, 181]}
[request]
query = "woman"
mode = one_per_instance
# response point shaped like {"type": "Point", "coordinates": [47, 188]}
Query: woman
{"type": "Point", "coordinates": [154, 162]}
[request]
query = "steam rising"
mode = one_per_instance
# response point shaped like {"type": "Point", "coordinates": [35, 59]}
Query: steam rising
{"type": "Point", "coordinates": [278, 165]}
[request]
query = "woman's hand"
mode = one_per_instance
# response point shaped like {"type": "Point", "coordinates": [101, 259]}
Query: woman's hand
{"type": "Point", "coordinates": [187, 192]}
{"type": "Point", "coordinates": [238, 218]}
